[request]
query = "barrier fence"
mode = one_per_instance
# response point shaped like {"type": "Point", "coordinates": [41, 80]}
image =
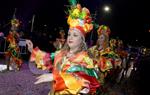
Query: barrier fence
{"type": "Point", "coordinates": [4, 45]}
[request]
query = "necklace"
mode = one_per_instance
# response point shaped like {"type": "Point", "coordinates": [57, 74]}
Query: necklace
{"type": "Point", "coordinates": [70, 54]}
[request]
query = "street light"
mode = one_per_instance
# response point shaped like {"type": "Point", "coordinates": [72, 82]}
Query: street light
{"type": "Point", "coordinates": [106, 8]}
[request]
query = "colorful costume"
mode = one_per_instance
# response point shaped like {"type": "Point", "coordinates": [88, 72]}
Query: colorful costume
{"type": "Point", "coordinates": [124, 56]}
{"type": "Point", "coordinates": [43, 60]}
{"type": "Point", "coordinates": [70, 74]}
{"type": "Point", "coordinates": [105, 58]}
{"type": "Point", "coordinates": [120, 49]}
{"type": "Point", "coordinates": [13, 48]}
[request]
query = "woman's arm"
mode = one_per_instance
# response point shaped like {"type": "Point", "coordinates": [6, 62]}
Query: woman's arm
{"type": "Point", "coordinates": [44, 78]}
{"type": "Point", "coordinates": [30, 45]}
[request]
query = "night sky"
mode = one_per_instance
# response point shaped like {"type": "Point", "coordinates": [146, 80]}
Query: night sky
{"type": "Point", "coordinates": [129, 19]}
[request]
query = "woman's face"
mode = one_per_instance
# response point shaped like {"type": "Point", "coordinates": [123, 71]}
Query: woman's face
{"type": "Point", "coordinates": [74, 38]}
{"type": "Point", "coordinates": [101, 39]}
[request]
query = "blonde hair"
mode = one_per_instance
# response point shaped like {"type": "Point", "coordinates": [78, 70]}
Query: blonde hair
{"type": "Point", "coordinates": [106, 42]}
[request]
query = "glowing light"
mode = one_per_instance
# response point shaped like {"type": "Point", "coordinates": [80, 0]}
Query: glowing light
{"type": "Point", "coordinates": [106, 8]}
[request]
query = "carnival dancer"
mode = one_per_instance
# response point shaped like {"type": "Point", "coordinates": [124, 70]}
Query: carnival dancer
{"type": "Point", "coordinates": [104, 57]}
{"type": "Point", "coordinates": [13, 53]}
{"type": "Point", "coordinates": [73, 70]}
{"type": "Point", "coordinates": [120, 50]}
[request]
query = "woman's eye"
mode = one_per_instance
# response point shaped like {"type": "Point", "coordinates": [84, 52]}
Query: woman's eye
{"type": "Point", "coordinates": [75, 35]}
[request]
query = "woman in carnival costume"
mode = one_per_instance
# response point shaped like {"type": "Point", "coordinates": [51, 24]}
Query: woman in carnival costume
{"type": "Point", "coordinates": [59, 43]}
{"type": "Point", "coordinates": [124, 56]}
{"type": "Point", "coordinates": [73, 70]}
{"type": "Point", "coordinates": [12, 54]}
{"type": "Point", "coordinates": [104, 58]}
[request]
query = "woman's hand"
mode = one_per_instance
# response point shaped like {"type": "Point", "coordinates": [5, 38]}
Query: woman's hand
{"type": "Point", "coordinates": [84, 83]}
{"type": "Point", "coordinates": [44, 78]}
{"type": "Point", "coordinates": [30, 45]}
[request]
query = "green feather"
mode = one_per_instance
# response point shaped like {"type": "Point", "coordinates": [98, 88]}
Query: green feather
{"type": "Point", "coordinates": [73, 2]}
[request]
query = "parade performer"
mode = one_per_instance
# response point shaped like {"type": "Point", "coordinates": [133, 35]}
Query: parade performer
{"type": "Point", "coordinates": [120, 50]}
{"type": "Point", "coordinates": [105, 58]}
{"type": "Point", "coordinates": [13, 52]}
{"type": "Point", "coordinates": [59, 43]}
{"type": "Point", "coordinates": [73, 70]}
